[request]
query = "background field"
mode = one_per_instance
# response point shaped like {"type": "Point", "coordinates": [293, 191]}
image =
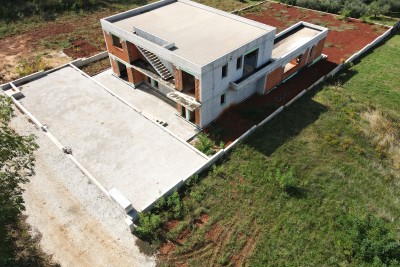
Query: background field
{"type": "Point", "coordinates": [286, 196]}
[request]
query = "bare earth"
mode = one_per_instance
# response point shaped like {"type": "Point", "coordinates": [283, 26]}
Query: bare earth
{"type": "Point", "coordinates": [79, 226]}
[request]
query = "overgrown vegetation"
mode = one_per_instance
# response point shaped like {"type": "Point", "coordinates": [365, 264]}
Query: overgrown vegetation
{"type": "Point", "coordinates": [350, 8]}
{"type": "Point", "coordinates": [206, 144]}
{"type": "Point", "coordinates": [97, 66]}
{"type": "Point", "coordinates": [48, 9]}
{"type": "Point", "coordinates": [165, 209]}
{"type": "Point", "coordinates": [29, 66]}
{"type": "Point", "coordinates": [17, 248]}
{"type": "Point", "coordinates": [317, 186]}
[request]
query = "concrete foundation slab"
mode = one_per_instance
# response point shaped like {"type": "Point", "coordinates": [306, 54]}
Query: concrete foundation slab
{"type": "Point", "coordinates": [119, 146]}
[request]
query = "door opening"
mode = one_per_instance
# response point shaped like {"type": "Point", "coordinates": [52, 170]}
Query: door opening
{"type": "Point", "coordinates": [123, 73]}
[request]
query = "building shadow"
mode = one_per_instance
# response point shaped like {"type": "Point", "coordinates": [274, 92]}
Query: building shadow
{"type": "Point", "coordinates": [236, 120]}
{"type": "Point", "coordinates": [288, 124]}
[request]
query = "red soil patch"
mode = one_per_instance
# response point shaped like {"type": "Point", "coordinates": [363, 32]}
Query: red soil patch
{"type": "Point", "coordinates": [170, 225]}
{"type": "Point", "coordinates": [202, 220]}
{"type": "Point", "coordinates": [214, 233]}
{"type": "Point", "coordinates": [167, 248]}
{"type": "Point", "coordinates": [344, 39]}
{"type": "Point", "coordinates": [183, 236]}
{"type": "Point", "coordinates": [81, 48]}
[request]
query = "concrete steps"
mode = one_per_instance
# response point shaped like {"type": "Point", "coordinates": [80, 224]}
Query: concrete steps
{"type": "Point", "coordinates": [156, 63]}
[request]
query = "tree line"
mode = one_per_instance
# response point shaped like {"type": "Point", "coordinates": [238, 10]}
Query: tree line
{"type": "Point", "coordinates": [350, 8]}
{"type": "Point", "coordinates": [12, 10]}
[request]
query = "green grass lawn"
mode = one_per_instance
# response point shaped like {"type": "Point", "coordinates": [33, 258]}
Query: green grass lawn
{"type": "Point", "coordinates": [317, 186]}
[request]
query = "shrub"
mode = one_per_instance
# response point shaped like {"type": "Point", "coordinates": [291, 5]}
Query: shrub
{"type": "Point", "coordinates": [368, 240]}
{"type": "Point", "coordinates": [149, 224]}
{"type": "Point", "coordinates": [285, 178]}
{"type": "Point", "coordinates": [204, 144]}
{"type": "Point", "coordinates": [175, 204]}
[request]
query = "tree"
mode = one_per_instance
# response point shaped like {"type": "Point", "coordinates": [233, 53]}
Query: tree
{"type": "Point", "coordinates": [16, 165]}
{"type": "Point", "coordinates": [377, 8]}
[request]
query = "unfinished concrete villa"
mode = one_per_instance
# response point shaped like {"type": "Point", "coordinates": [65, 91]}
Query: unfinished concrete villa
{"type": "Point", "coordinates": [204, 59]}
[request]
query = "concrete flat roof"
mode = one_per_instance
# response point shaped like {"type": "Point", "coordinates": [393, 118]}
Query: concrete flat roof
{"type": "Point", "coordinates": [200, 34]}
{"type": "Point", "coordinates": [293, 40]}
{"type": "Point", "coordinates": [119, 146]}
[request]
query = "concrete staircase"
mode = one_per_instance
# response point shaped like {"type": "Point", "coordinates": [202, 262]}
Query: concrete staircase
{"type": "Point", "coordinates": [156, 63]}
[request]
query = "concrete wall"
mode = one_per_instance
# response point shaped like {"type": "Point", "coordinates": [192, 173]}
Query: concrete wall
{"type": "Point", "coordinates": [213, 85]}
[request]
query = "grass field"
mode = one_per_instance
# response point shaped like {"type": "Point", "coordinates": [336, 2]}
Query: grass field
{"type": "Point", "coordinates": [311, 188]}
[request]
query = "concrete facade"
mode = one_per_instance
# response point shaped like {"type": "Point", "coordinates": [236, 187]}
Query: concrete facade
{"type": "Point", "coordinates": [208, 58]}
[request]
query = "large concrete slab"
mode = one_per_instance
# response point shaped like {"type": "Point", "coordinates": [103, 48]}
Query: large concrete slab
{"type": "Point", "coordinates": [119, 146]}
{"type": "Point", "coordinates": [200, 35]}
{"type": "Point", "coordinates": [152, 103]}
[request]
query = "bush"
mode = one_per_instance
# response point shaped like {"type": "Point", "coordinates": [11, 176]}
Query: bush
{"type": "Point", "coordinates": [368, 240]}
{"type": "Point", "coordinates": [149, 224]}
{"type": "Point", "coordinates": [204, 144]}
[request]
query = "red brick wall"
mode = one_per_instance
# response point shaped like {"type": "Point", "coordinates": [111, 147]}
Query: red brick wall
{"type": "Point", "coordinates": [273, 78]}
{"type": "Point", "coordinates": [135, 76]}
{"type": "Point", "coordinates": [128, 53]}
{"type": "Point", "coordinates": [133, 52]}
{"type": "Point", "coordinates": [114, 66]}
{"type": "Point", "coordinates": [317, 51]}
{"type": "Point", "coordinates": [116, 51]}
{"type": "Point", "coordinates": [178, 79]}
{"type": "Point", "coordinates": [197, 89]}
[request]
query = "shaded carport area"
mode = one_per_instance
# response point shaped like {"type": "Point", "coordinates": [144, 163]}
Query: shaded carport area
{"type": "Point", "coordinates": [119, 146]}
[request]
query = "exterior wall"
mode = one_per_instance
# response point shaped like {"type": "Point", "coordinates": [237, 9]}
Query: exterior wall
{"type": "Point", "coordinates": [135, 76]}
{"type": "Point", "coordinates": [178, 78]}
{"type": "Point", "coordinates": [197, 89]}
{"type": "Point", "coordinates": [317, 51]}
{"type": "Point", "coordinates": [273, 78]}
{"type": "Point", "coordinates": [114, 66]}
{"type": "Point", "coordinates": [116, 51]}
{"type": "Point", "coordinates": [127, 53]}
{"type": "Point", "coordinates": [197, 117]}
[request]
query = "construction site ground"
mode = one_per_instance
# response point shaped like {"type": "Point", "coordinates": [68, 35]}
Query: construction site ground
{"type": "Point", "coordinates": [120, 147]}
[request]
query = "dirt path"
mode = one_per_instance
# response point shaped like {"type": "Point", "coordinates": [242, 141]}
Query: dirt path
{"type": "Point", "coordinates": [79, 226]}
